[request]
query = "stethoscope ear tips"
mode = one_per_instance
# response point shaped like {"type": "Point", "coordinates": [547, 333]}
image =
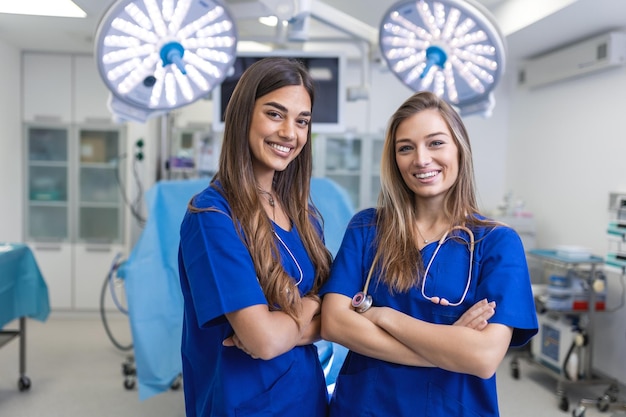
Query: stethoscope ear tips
{"type": "Point", "coordinates": [361, 302]}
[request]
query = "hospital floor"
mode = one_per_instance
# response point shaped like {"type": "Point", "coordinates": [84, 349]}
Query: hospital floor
{"type": "Point", "coordinates": [76, 371]}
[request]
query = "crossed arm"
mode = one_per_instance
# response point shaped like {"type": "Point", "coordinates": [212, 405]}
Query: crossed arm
{"type": "Point", "coordinates": [265, 334]}
{"type": "Point", "coordinates": [469, 346]}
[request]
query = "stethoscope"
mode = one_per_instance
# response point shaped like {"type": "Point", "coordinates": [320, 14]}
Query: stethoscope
{"type": "Point", "coordinates": [362, 301]}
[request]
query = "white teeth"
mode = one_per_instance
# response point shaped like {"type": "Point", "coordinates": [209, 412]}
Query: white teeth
{"type": "Point", "coordinates": [426, 175]}
{"type": "Point", "coordinates": [280, 147]}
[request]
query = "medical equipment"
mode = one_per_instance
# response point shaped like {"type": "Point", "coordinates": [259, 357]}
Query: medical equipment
{"type": "Point", "coordinates": [572, 291]}
{"type": "Point", "coordinates": [453, 48]}
{"type": "Point", "coordinates": [161, 55]}
{"type": "Point", "coordinates": [362, 301]}
{"type": "Point", "coordinates": [564, 344]}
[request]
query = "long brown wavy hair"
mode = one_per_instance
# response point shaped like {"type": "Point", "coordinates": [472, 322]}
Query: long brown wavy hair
{"type": "Point", "coordinates": [397, 254]}
{"type": "Point", "coordinates": [238, 184]}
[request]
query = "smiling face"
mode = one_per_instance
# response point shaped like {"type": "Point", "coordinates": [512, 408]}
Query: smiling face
{"type": "Point", "coordinates": [426, 154]}
{"type": "Point", "coordinates": [279, 129]}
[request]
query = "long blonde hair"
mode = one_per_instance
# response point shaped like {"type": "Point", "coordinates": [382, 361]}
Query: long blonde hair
{"type": "Point", "coordinates": [398, 257]}
{"type": "Point", "coordinates": [238, 185]}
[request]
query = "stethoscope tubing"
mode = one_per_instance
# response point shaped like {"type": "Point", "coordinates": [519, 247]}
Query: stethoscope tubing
{"type": "Point", "coordinates": [361, 301]}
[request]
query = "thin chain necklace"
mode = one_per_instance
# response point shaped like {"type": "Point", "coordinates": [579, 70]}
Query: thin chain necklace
{"type": "Point", "coordinates": [426, 241]}
{"type": "Point", "coordinates": [271, 201]}
{"type": "Point", "coordinates": [292, 257]}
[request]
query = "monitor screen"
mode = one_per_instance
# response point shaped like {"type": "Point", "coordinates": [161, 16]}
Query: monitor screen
{"type": "Point", "coordinates": [326, 70]}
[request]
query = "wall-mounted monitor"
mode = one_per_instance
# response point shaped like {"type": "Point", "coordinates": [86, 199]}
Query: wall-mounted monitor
{"type": "Point", "coordinates": [327, 69]}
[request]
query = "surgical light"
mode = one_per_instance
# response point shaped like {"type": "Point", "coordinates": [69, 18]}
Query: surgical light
{"type": "Point", "coordinates": [450, 47]}
{"type": "Point", "coordinates": [158, 55]}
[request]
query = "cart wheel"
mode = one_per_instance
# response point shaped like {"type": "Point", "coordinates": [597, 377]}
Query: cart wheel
{"type": "Point", "coordinates": [604, 402]}
{"type": "Point", "coordinates": [23, 383]}
{"type": "Point", "coordinates": [563, 404]}
{"type": "Point", "coordinates": [514, 369]}
{"type": "Point", "coordinates": [176, 383]}
{"type": "Point", "coordinates": [579, 411]}
{"type": "Point", "coordinates": [128, 367]}
{"type": "Point", "coordinates": [129, 383]}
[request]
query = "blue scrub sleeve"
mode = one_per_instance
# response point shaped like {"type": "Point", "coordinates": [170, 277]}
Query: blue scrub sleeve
{"type": "Point", "coordinates": [504, 278]}
{"type": "Point", "coordinates": [219, 268]}
{"type": "Point", "coordinates": [351, 265]}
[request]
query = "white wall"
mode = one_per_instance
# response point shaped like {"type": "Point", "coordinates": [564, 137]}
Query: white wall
{"type": "Point", "coordinates": [567, 145]}
{"type": "Point", "coordinates": [11, 167]}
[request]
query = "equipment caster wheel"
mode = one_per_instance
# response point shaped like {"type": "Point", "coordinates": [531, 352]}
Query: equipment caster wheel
{"type": "Point", "coordinates": [563, 404]}
{"type": "Point", "coordinates": [604, 402]}
{"type": "Point", "coordinates": [176, 383]}
{"type": "Point", "coordinates": [579, 411]}
{"type": "Point", "coordinates": [129, 383]}
{"type": "Point", "coordinates": [610, 396]}
{"type": "Point", "coordinates": [515, 370]}
{"type": "Point", "coordinates": [23, 384]}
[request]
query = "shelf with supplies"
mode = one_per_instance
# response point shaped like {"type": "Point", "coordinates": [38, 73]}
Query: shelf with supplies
{"type": "Point", "coordinates": [572, 293]}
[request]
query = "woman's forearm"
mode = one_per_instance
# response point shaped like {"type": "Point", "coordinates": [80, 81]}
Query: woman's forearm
{"type": "Point", "coordinates": [455, 348]}
{"type": "Point", "coordinates": [343, 325]}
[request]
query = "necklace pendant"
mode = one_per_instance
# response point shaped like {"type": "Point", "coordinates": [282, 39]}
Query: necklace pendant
{"type": "Point", "coordinates": [426, 241]}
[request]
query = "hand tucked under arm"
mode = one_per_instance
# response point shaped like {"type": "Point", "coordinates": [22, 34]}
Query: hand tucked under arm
{"type": "Point", "coordinates": [310, 331]}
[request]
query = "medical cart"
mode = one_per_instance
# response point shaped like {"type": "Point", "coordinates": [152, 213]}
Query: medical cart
{"type": "Point", "coordinates": [615, 260]}
{"type": "Point", "coordinates": [566, 314]}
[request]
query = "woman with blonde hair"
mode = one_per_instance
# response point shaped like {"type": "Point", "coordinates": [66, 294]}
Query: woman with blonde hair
{"type": "Point", "coordinates": [408, 270]}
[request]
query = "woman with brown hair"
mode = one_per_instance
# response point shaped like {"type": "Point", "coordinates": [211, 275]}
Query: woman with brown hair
{"type": "Point", "coordinates": [252, 258]}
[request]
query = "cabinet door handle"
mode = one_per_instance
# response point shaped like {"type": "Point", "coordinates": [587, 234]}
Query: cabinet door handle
{"type": "Point", "coordinates": [47, 118]}
{"type": "Point", "coordinates": [98, 248]}
{"type": "Point", "coordinates": [48, 247]}
{"type": "Point", "coordinates": [97, 120]}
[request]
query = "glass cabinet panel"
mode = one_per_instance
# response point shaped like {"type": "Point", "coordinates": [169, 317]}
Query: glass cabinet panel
{"type": "Point", "coordinates": [353, 162]}
{"type": "Point", "coordinates": [47, 144]}
{"type": "Point", "coordinates": [99, 197]}
{"type": "Point", "coordinates": [343, 165]}
{"type": "Point", "coordinates": [343, 155]}
{"type": "Point", "coordinates": [47, 182]}
{"type": "Point", "coordinates": [99, 224]}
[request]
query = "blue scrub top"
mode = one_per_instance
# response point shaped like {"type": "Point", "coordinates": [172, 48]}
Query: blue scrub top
{"type": "Point", "coordinates": [371, 387]}
{"type": "Point", "coordinates": [217, 276]}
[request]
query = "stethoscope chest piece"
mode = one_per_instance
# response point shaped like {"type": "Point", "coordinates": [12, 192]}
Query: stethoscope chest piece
{"type": "Point", "coordinates": [361, 302]}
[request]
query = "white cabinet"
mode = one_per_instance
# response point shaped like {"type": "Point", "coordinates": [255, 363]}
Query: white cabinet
{"type": "Point", "coordinates": [63, 88]}
{"type": "Point", "coordinates": [55, 261]}
{"type": "Point", "coordinates": [92, 264]}
{"type": "Point", "coordinates": [353, 162]}
{"type": "Point", "coordinates": [75, 212]}
{"type": "Point", "coordinates": [47, 87]}
{"type": "Point", "coordinates": [90, 95]}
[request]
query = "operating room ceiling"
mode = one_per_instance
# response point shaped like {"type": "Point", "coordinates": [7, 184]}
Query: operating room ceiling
{"type": "Point", "coordinates": [526, 35]}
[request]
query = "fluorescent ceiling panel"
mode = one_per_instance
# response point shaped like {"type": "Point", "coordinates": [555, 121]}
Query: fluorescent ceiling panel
{"type": "Point", "coordinates": [57, 8]}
